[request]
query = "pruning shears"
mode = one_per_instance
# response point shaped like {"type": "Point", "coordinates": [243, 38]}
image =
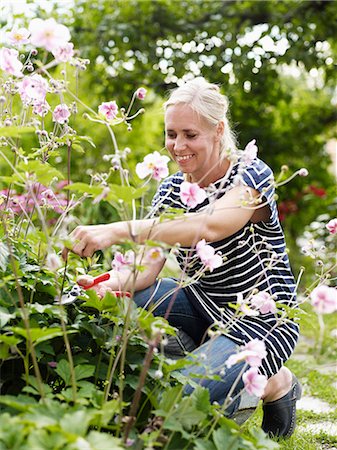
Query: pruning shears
{"type": "Point", "coordinates": [77, 290]}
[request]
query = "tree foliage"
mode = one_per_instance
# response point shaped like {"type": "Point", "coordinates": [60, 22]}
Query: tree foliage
{"type": "Point", "coordinates": [274, 60]}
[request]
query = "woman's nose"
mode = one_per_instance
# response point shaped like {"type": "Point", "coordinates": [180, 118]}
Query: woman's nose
{"type": "Point", "coordinates": [179, 143]}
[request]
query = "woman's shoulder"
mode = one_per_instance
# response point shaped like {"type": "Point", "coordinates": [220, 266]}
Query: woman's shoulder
{"type": "Point", "coordinates": [258, 170]}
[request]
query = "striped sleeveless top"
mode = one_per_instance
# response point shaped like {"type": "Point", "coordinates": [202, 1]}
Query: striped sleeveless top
{"type": "Point", "coordinates": [255, 257]}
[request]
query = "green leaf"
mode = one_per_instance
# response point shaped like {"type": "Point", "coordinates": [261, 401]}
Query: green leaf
{"type": "Point", "coordinates": [94, 301]}
{"type": "Point", "coordinates": [263, 442]}
{"type": "Point", "coordinates": [16, 131]}
{"type": "Point", "coordinates": [63, 369]}
{"type": "Point", "coordinates": [76, 422]}
{"type": "Point", "coordinates": [84, 188]}
{"type": "Point", "coordinates": [20, 402]}
{"type": "Point", "coordinates": [84, 371]}
{"type": "Point", "coordinates": [204, 445]}
{"type": "Point", "coordinates": [169, 398]}
{"type": "Point", "coordinates": [4, 351]}
{"type": "Point", "coordinates": [124, 193]}
{"type": "Point", "coordinates": [9, 340]}
{"type": "Point", "coordinates": [78, 148]}
{"type": "Point", "coordinates": [44, 172]}
{"type": "Point", "coordinates": [85, 139]}
{"type": "Point", "coordinates": [223, 435]}
{"type": "Point", "coordinates": [5, 316]}
{"type": "Point", "coordinates": [99, 441]}
{"type": "Point", "coordinates": [201, 398]}
{"type": "Point", "coordinates": [38, 335]}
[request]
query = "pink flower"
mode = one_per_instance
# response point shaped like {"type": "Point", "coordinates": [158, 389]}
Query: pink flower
{"type": "Point", "coordinates": [48, 34]}
{"type": "Point", "coordinates": [154, 254]}
{"type": "Point", "coordinates": [332, 226]}
{"type": "Point", "coordinates": [61, 113]}
{"type": "Point", "coordinates": [141, 93]}
{"type": "Point", "coordinates": [52, 364]}
{"type": "Point", "coordinates": [244, 307]}
{"type": "Point", "coordinates": [207, 255]}
{"type": "Point", "coordinates": [254, 382]}
{"type": "Point", "coordinates": [121, 262]}
{"type": "Point", "coordinates": [253, 353]}
{"type": "Point", "coordinates": [303, 172]}
{"type": "Point", "coordinates": [64, 53]}
{"type": "Point", "coordinates": [40, 108]}
{"type": "Point", "coordinates": [18, 36]}
{"type": "Point", "coordinates": [249, 153]}
{"type": "Point", "coordinates": [256, 351]}
{"type": "Point", "coordinates": [153, 164]}
{"type": "Point", "coordinates": [191, 194]}
{"type": "Point", "coordinates": [108, 109]}
{"type": "Point", "coordinates": [324, 299]}
{"type": "Point", "coordinates": [9, 61]}
{"type": "Point", "coordinates": [264, 303]}
{"type": "Point", "coordinates": [33, 88]}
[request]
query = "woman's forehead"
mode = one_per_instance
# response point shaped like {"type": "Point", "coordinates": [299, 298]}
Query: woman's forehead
{"type": "Point", "coordinates": [182, 116]}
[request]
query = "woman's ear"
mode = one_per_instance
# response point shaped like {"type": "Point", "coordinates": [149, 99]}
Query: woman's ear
{"type": "Point", "coordinates": [220, 129]}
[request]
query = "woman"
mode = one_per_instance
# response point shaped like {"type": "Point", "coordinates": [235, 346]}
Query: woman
{"type": "Point", "coordinates": [238, 219]}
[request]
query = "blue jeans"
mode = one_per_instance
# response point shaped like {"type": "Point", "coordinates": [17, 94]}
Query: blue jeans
{"type": "Point", "coordinates": [166, 299]}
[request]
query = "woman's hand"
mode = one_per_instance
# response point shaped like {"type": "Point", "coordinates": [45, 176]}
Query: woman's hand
{"type": "Point", "coordinates": [101, 288]}
{"type": "Point", "coordinates": [90, 238]}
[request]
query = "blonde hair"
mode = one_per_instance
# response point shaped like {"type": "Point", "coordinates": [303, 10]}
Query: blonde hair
{"type": "Point", "coordinates": [206, 100]}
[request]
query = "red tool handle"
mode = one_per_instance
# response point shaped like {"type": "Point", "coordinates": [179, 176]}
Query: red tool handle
{"type": "Point", "coordinates": [119, 294]}
{"type": "Point", "coordinates": [96, 280]}
{"type": "Point", "coordinates": [105, 277]}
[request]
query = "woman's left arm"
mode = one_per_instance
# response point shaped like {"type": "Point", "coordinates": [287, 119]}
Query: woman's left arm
{"type": "Point", "coordinates": [224, 217]}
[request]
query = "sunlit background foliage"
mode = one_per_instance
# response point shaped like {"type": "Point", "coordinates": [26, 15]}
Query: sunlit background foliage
{"type": "Point", "coordinates": [274, 60]}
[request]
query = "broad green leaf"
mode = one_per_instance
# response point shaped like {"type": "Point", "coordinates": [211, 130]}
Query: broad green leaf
{"type": "Point", "coordinates": [16, 131]}
{"type": "Point", "coordinates": [263, 442]}
{"type": "Point", "coordinates": [9, 340]}
{"type": "Point", "coordinates": [222, 436]}
{"type": "Point", "coordinates": [76, 422]}
{"type": "Point", "coordinates": [84, 188]}
{"type": "Point", "coordinates": [44, 172]}
{"type": "Point", "coordinates": [63, 369]}
{"type": "Point", "coordinates": [41, 439]}
{"type": "Point", "coordinates": [5, 316]}
{"type": "Point", "coordinates": [4, 351]}
{"type": "Point", "coordinates": [84, 371]}
{"type": "Point", "coordinates": [100, 441]}
{"type": "Point", "coordinates": [38, 335]}
{"type": "Point", "coordinates": [78, 148]}
{"type": "Point", "coordinates": [186, 414]}
{"type": "Point", "coordinates": [204, 445]}
{"type": "Point", "coordinates": [20, 402]}
{"type": "Point", "coordinates": [85, 139]}
{"type": "Point", "coordinates": [106, 412]}
{"type": "Point", "coordinates": [201, 398]}
{"type": "Point", "coordinates": [169, 398]}
{"type": "Point", "coordinates": [124, 193]}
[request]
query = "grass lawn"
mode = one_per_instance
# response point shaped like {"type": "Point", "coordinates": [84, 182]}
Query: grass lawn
{"type": "Point", "coordinates": [316, 369]}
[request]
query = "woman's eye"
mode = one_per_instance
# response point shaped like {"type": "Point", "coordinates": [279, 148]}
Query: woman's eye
{"type": "Point", "coordinates": [191, 136]}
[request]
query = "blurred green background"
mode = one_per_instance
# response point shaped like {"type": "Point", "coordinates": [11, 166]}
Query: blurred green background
{"type": "Point", "coordinates": [273, 59]}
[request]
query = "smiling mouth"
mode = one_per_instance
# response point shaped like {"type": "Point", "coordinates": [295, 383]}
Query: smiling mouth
{"type": "Point", "coordinates": [184, 158]}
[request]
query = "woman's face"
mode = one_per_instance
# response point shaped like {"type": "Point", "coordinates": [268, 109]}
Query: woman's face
{"type": "Point", "coordinates": [192, 142]}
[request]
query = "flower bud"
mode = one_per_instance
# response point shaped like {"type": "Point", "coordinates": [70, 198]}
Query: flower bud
{"type": "Point", "coordinates": [303, 172]}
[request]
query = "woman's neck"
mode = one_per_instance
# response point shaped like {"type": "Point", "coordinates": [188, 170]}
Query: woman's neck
{"type": "Point", "coordinates": [212, 175]}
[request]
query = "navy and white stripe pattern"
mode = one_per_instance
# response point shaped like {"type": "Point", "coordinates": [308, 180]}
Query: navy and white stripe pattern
{"type": "Point", "coordinates": [253, 258]}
